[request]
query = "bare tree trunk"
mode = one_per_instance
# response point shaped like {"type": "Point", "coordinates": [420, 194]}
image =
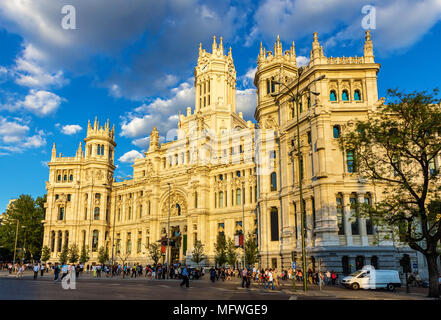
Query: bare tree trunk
{"type": "Point", "coordinates": [433, 275]}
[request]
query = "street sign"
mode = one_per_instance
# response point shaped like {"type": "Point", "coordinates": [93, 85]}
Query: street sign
{"type": "Point", "coordinates": [415, 265]}
{"type": "Point", "coordinates": [293, 265]}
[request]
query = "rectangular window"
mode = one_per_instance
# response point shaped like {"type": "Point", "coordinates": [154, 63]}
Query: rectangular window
{"type": "Point", "coordinates": [354, 216]}
{"type": "Point", "coordinates": [340, 216]}
{"type": "Point", "coordinates": [369, 222]}
{"type": "Point", "coordinates": [274, 224]}
{"type": "Point", "coordinates": [350, 161]}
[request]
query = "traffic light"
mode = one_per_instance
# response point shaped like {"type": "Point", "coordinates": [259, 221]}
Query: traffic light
{"type": "Point", "coordinates": [405, 263]}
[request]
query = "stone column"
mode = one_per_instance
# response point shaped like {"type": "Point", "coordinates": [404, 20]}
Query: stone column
{"type": "Point", "coordinates": [362, 222]}
{"type": "Point", "coordinates": [347, 215]}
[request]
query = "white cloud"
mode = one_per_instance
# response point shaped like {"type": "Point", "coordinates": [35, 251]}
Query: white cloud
{"type": "Point", "coordinates": [248, 77]}
{"type": "Point", "coordinates": [29, 73]}
{"type": "Point", "coordinates": [39, 102]}
{"type": "Point", "coordinates": [142, 143]}
{"type": "Point", "coordinates": [246, 101]}
{"type": "Point", "coordinates": [3, 74]}
{"type": "Point", "coordinates": [399, 23]}
{"type": "Point", "coordinates": [70, 129]}
{"type": "Point", "coordinates": [14, 136]}
{"type": "Point", "coordinates": [160, 111]}
{"type": "Point", "coordinates": [302, 61]}
{"type": "Point", "coordinates": [130, 156]}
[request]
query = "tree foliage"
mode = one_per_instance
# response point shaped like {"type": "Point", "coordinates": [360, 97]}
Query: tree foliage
{"type": "Point", "coordinates": [73, 253]}
{"type": "Point", "coordinates": [231, 252]}
{"type": "Point", "coordinates": [155, 252]}
{"type": "Point", "coordinates": [103, 255]}
{"type": "Point", "coordinates": [220, 248]}
{"type": "Point", "coordinates": [64, 254]}
{"type": "Point", "coordinates": [84, 256]}
{"type": "Point", "coordinates": [29, 213]}
{"type": "Point", "coordinates": [198, 252]}
{"type": "Point", "coordinates": [45, 253]}
{"type": "Point", "coordinates": [398, 149]}
{"type": "Point", "coordinates": [251, 249]}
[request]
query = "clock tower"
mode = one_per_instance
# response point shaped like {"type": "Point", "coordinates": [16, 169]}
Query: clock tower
{"type": "Point", "coordinates": [215, 80]}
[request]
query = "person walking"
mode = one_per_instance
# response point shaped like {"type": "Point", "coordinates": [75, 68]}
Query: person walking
{"type": "Point", "coordinates": [212, 274]}
{"type": "Point", "coordinates": [42, 268]}
{"type": "Point", "coordinates": [244, 277]}
{"type": "Point", "coordinates": [328, 277]}
{"type": "Point", "coordinates": [185, 278]}
{"type": "Point", "coordinates": [64, 270]}
{"type": "Point", "coordinates": [270, 280]}
{"type": "Point", "coordinates": [333, 277]}
{"type": "Point", "coordinates": [36, 269]}
{"type": "Point", "coordinates": [56, 271]}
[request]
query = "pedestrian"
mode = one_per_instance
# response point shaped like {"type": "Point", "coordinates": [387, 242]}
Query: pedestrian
{"type": "Point", "coordinates": [212, 274]}
{"type": "Point", "coordinates": [333, 277]}
{"type": "Point", "coordinates": [328, 277]}
{"type": "Point", "coordinates": [270, 280]}
{"type": "Point", "coordinates": [64, 270]}
{"type": "Point", "coordinates": [42, 268]}
{"type": "Point", "coordinates": [56, 271]}
{"type": "Point", "coordinates": [185, 278]}
{"type": "Point", "coordinates": [36, 269]}
{"type": "Point", "coordinates": [244, 277]}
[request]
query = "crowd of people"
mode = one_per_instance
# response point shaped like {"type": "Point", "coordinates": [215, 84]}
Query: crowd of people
{"type": "Point", "coordinates": [269, 277]}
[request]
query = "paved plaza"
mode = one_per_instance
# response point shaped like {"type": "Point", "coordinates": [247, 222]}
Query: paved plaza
{"type": "Point", "coordinates": [89, 288]}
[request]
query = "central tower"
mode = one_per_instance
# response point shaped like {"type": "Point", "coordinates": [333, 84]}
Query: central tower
{"type": "Point", "coordinates": [215, 80]}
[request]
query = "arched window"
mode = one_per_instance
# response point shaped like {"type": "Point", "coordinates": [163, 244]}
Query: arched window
{"type": "Point", "coordinates": [374, 262]}
{"type": "Point", "coordinates": [357, 95]}
{"type": "Point", "coordinates": [268, 90]}
{"type": "Point", "coordinates": [71, 177]}
{"type": "Point", "coordinates": [345, 95]}
{"type": "Point", "coordinates": [273, 85]}
{"type": "Point", "coordinates": [95, 240]}
{"type": "Point", "coordinates": [61, 213]}
{"type": "Point", "coordinates": [332, 96]}
{"type": "Point", "coordinates": [359, 262]}
{"type": "Point", "coordinates": [274, 220]}
{"type": "Point", "coordinates": [96, 213]}
{"type": "Point", "coordinates": [129, 243]}
{"type": "Point", "coordinates": [65, 177]}
{"type": "Point", "coordinates": [336, 131]}
{"type": "Point", "coordinates": [60, 241]}
{"type": "Point", "coordinates": [273, 181]}
{"type": "Point", "coordinates": [59, 178]}
{"type": "Point", "coordinates": [66, 237]}
{"type": "Point", "coordinates": [340, 215]}
{"type": "Point", "coordinates": [102, 149]}
{"type": "Point", "coordinates": [345, 265]}
{"type": "Point", "coordinates": [350, 161]}
{"type": "Point", "coordinates": [52, 241]}
{"type": "Point", "coordinates": [369, 222]}
{"type": "Point", "coordinates": [354, 215]}
{"type": "Point", "coordinates": [238, 197]}
{"type": "Point", "coordinates": [178, 207]}
{"type": "Point", "coordinates": [221, 199]}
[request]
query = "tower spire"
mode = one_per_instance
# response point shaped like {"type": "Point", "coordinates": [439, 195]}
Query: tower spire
{"type": "Point", "coordinates": [368, 48]}
{"type": "Point", "coordinates": [221, 46]}
{"type": "Point", "coordinates": [214, 47]}
{"type": "Point", "coordinates": [54, 152]}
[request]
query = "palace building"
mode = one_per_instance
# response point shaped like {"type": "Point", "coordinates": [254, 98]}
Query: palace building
{"type": "Point", "coordinates": [224, 175]}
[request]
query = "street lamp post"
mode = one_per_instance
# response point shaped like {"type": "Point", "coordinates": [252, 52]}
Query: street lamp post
{"type": "Point", "coordinates": [243, 223]}
{"type": "Point", "coordinates": [168, 232]}
{"type": "Point", "coordinates": [16, 238]}
{"type": "Point", "coordinates": [296, 99]}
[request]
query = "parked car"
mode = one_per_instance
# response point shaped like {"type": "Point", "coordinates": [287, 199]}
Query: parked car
{"type": "Point", "coordinates": [372, 279]}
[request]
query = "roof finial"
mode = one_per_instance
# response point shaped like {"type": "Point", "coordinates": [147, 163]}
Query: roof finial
{"type": "Point", "coordinates": [221, 46]}
{"type": "Point", "coordinates": [214, 48]}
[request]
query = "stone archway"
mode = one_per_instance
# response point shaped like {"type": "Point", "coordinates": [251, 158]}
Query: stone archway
{"type": "Point", "coordinates": [178, 204]}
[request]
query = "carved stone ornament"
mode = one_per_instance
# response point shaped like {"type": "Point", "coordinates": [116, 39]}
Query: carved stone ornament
{"type": "Point", "coordinates": [176, 198]}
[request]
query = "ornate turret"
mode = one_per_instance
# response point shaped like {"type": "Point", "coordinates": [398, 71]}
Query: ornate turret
{"type": "Point", "coordinates": [154, 140]}
{"type": "Point", "coordinates": [54, 152]}
{"type": "Point", "coordinates": [268, 57]}
{"type": "Point", "coordinates": [79, 153]}
{"type": "Point", "coordinates": [317, 56]}
{"type": "Point", "coordinates": [368, 48]}
{"type": "Point", "coordinates": [211, 94]}
{"type": "Point", "coordinates": [100, 141]}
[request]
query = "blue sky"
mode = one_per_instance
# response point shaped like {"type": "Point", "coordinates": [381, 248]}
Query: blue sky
{"type": "Point", "coordinates": [132, 62]}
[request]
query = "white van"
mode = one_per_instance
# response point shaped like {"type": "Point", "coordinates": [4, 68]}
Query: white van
{"type": "Point", "coordinates": [369, 278]}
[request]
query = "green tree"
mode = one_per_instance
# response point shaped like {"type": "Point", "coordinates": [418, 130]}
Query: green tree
{"type": "Point", "coordinates": [155, 252]}
{"type": "Point", "coordinates": [220, 250]}
{"type": "Point", "coordinates": [198, 252]}
{"type": "Point", "coordinates": [397, 149]}
{"type": "Point", "coordinates": [64, 254]}
{"type": "Point", "coordinates": [84, 256]}
{"type": "Point", "coordinates": [29, 214]}
{"type": "Point", "coordinates": [103, 255]}
{"type": "Point", "coordinates": [231, 252]}
{"type": "Point", "coordinates": [45, 253]}
{"type": "Point", "coordinates": [251, 249]}
{"type": "Point", "coordinates": [73, 253]}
